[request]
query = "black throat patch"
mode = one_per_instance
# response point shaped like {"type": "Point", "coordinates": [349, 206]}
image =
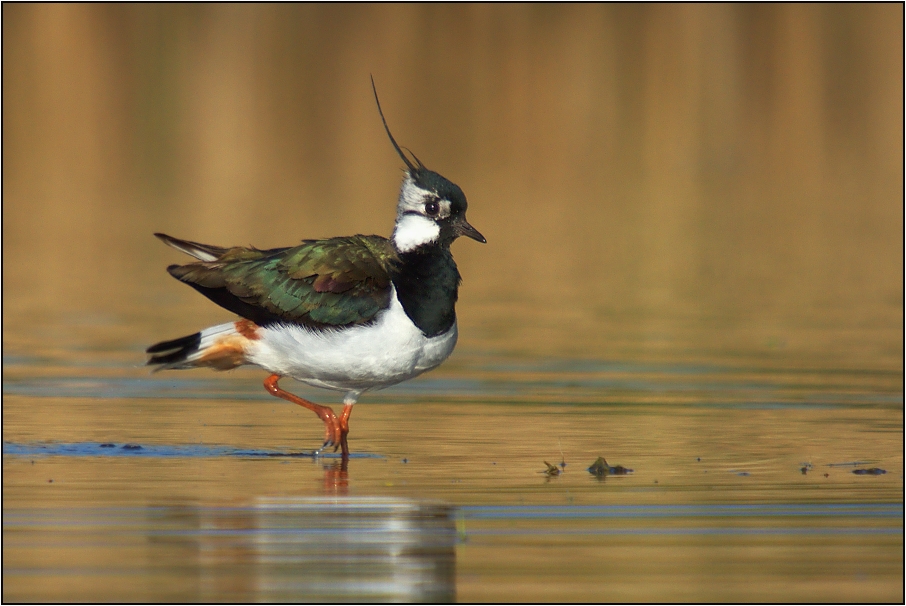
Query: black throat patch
{"type": "Point", "coordinates": [427, 285]}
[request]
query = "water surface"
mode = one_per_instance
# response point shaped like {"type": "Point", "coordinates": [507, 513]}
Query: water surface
{"type": "Point", "coordinates": [200, 486]}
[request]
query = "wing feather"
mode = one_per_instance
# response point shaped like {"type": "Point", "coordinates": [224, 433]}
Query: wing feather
{"type": "Point", "coordinates": [321, 283]}
{"type": "Point", "coordinates": [203, 252]}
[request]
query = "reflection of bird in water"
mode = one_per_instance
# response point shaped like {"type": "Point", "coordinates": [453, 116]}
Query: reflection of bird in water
{"type": "Point", "coordinates": [336, 478]}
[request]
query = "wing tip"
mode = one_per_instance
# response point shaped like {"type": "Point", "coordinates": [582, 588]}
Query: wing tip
{"type": "Point", "coordinates": [202, 252]}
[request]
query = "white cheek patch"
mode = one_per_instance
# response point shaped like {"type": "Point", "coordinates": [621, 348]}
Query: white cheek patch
{"type": "Point", "coordinates": [413, 231]}
{"type": "Point", "coordinates": [444, 209]}
{"type": "Point", "coordinates": [412, 197]}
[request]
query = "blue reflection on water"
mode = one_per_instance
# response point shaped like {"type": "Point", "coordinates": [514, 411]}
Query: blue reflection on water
{"type": "Point", "coordinates": [690, 531]}
{"type": "Point", "coordinates": [837, 519]}
{"type": "Point", "coordinates": [672, 511]}
{"type": "Point", "coordinates": [575, 520]}
{"type": "Point", "coordinates": [106, 449]}
{"type": "Point", "coordinates": [754, 396]}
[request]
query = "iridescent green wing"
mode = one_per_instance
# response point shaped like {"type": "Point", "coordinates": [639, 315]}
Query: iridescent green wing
{"type": "Point", "coordinates": [321, 283]}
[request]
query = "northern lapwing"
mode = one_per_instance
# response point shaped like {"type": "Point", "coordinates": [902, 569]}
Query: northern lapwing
{"type": "Point", "coordinates": [350, 313]}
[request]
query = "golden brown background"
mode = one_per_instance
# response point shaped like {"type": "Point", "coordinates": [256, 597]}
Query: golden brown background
{"type": "Point", "coordinates": [736, 167]}
{"type": "Point", "coordinates": [694, 268]}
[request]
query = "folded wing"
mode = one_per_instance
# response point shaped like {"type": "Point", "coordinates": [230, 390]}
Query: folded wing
{"type": "Point", "coordinates": [320, 284]}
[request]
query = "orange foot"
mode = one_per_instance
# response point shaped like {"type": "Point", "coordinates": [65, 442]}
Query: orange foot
{"type": "Point", "coordinates": [335, 428]}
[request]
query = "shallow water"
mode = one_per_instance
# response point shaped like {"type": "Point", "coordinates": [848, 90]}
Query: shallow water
{"type": "Point", "coordinates": [193, 485]}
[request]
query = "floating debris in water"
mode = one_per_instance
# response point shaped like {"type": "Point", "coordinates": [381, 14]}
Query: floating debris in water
{"type": "Point", "coordinates": [601, 468]}
{"type": "Point", "coordinates": [872, 471]}
{"type": "Point", "coordinates": [551, 471]}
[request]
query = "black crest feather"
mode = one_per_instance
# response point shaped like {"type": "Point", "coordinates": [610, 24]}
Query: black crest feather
{"type": "Point", "coordinates": [412, 167]}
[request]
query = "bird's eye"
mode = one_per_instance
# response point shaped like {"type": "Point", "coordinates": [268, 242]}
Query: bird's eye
{"type": "Point", "coordinates": [432, 208]}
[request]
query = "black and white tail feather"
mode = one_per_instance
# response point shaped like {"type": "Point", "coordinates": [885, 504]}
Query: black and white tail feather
{"type": "Point", "coordinates": [187, 352]}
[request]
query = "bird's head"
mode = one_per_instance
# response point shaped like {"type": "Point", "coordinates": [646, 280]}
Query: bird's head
{"type": "Point", "coordinates": [431, 209]}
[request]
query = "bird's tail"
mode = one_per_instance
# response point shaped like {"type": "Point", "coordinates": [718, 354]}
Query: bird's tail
{"type": "Point", "coordinates": [221, 347]}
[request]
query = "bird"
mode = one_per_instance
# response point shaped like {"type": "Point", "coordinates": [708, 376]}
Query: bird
{"type": "Point", "coordinates": [349, 314]}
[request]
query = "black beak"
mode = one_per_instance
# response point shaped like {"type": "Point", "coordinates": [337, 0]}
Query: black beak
{"type": "Point", "coordinates": [464, 229]}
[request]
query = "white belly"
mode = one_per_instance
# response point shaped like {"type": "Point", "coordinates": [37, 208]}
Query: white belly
{"type": "Point", "coordinates": [386, 352]}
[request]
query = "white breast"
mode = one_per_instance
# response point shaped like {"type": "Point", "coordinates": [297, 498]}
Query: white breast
{"type": "Point", "coordinates": [388, 351]}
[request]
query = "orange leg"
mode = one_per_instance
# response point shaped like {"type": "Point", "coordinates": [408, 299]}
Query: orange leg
{"type": "Point", "coordinates": [335, 429]}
